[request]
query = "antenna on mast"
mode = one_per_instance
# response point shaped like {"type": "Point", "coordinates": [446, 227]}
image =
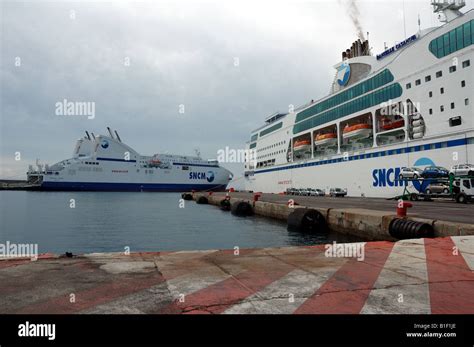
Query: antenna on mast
{"type": "Point", "coordinates": [117, 135]}
{"type": "Point", "coordinates": [198, 152]}
{"type": "Point", "coordinates": [404, 21]}
{"type": "Point", "coordinates": [110, 132]}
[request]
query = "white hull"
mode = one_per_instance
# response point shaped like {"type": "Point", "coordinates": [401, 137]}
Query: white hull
{"type": "Point", "coordinates": [374, 177]}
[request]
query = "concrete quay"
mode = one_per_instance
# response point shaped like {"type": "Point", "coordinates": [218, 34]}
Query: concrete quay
{"type": "Point", "coordinates": [425, 276]}
{"type": "Point", "coordinates": [366, 218]}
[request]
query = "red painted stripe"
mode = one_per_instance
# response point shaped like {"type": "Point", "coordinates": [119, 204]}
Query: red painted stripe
{"type": "Point", "coordinates": [451, 281]}
{"type": "Point", "coordinates": [220, 296]}
{"type": "Point", "coordinates": [347, 290]}
{"type": "Point", "coordinates": [10, 262]}
{"type": "Point", "coordinates": [100, 294]}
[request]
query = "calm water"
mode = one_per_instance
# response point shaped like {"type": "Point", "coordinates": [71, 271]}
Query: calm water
{"type": "Point", "coordinates": [108, 222]}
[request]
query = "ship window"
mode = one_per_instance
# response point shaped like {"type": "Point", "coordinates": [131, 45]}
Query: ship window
{"type": "Point", "coordinates": [452, 41]}
{"type": "Point", "coordinates": [441, 90]}
{"type": "Point", "coordinates": [185, 167]}
{"type": "Point", "coordinates": [441, 108]}
{"type": "Point", "coordinates": [452, 105]}
{"type": "Point", "coordinates": [372, 83]}
{"type": "Point", "coordinates": [431, 111]}
{"type": "Point", "coordinates": [466, 63]}
{"type": "Point", "coordinates": [454, 121]}
{"type": "Point", "coordinates": [418, 82]}
{"type": "Point", "coordinates": [430, 94]}
{"type": "Point", "coordinates": [439, 74]}
{"type": "Point", "coordinates": [466, 102]}
{"type": "Point", "coordinates": [452, 68]}
{"type": "Point", "coordinates": [428, 78]}
{"type": "Point", "coordinates": [390, 92]}
{"type": "Point", "coordinates": [408, 86]}
{"type": "Point", "coordinates": [463, 84]}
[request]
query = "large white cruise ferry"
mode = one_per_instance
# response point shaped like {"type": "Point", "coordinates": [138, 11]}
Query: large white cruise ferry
{"type": "Point", "coordinates": [409, 106]}
{"type": "Point", "coordinates": [102, 163]}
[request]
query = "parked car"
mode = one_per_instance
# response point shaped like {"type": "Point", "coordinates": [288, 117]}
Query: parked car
{"type": "Point", "coordinates": [316, 192]}
{"type": "Point", "coordinates": [304, 192]}
{"type": "Point", "coordinates": [334, 192]}
{"type": "Point", "coordinates": [437, 188]}
{"type": "Point", "coordinates": [410, 172]}
{"type": "Point", "coordinates": [320, 192]}
{"type": "Point", "coordinates": [462, 170]}
{"type": "Point", "coordinates": [290, 191]}
{"type": "Point", "coordinates": [434, 172]}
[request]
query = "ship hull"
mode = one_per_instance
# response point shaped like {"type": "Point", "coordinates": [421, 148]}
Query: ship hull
{"type": "Point", "coordinates": [374, 173]}
{"type": "Point", "coordinates": [129, 187]}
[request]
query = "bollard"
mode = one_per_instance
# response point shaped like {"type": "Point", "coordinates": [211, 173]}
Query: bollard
{"type": "Point", "coordinates": [210, 193]}
{"type": "Point", "coordinates": [231, 190]}
{"type": "Point", "coordinates": [402, 208]}
{"type": "Point", "coordinates": [256, 196]}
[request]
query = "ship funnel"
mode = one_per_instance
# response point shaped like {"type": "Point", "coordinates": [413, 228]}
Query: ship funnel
{"type": "Point", "coordinates": [88, 136]}
{"type": "Point", "coordinates": [110, 132]}
{"type": "Point", "coordinates": [358, 48]}
{"type": "Point", "coordinates": [118, 137]}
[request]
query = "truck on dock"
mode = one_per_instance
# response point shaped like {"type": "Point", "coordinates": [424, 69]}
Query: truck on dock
{"type": "Point", "coordinates": [458, 188]}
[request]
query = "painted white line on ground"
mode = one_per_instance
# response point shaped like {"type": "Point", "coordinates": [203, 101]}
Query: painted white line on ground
{"type": "Point", "coordinates": [465, 245]}
{"type": "Point", "coordinates": [195, 281]}
{"type": "Point", "coordinates": [402, 286]}
{"type": "Point", "coordinates": [286, 294]}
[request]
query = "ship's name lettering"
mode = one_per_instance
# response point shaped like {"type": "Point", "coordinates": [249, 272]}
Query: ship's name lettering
{"type": "Point", "coordinates": [387, 177]}
{"type": "Point", "coordinates": [197, 175]}
{"type": "Point", "coordinates": [396, 47]}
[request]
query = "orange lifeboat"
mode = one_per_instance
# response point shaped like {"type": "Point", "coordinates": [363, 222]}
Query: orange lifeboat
{"type": "Point", "coordinates": [154, 162]}
{"type": "Point", "coordinates": [325, 139]}
{"type": "Point", "coordinates": [388, 124]}
{"type": "Point", "coordinates": [302, 145]}
{"type": "Point", "coordinates": [357, 131]}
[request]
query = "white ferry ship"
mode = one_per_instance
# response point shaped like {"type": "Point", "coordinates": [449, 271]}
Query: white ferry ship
{"type": "Point", "coordinates": [409, 106]}
{"type": "Point", "coordinates": [105, 163]}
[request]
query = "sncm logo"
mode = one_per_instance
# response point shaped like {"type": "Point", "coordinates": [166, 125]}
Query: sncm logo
{"type": "Point", "coordinates": [209, 176]}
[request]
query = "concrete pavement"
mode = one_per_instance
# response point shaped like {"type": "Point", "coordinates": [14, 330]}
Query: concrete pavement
{"type": "Point", "coordinates": [409, 276]}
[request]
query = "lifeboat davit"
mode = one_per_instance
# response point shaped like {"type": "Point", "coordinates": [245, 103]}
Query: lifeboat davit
{"type": "Point", "coordinates": [325, 139]}
{"type": "Point", "coordinates": [388, 124]}
{"type": "Point", "coordinates": [357, 131]}
{"type": "Point", "coordinates": [302, 145]}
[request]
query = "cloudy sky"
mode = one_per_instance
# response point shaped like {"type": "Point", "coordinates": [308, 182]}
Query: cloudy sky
{"type": "Point", "coordinates": [230, 63]}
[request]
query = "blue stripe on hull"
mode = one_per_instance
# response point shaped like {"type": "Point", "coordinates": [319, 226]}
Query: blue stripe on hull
{"type": "Point", "coordinates": [128, 187]}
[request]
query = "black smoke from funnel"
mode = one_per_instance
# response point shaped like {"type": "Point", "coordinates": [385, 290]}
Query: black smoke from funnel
{"type": "Point", "coordinates": [354, 14]}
